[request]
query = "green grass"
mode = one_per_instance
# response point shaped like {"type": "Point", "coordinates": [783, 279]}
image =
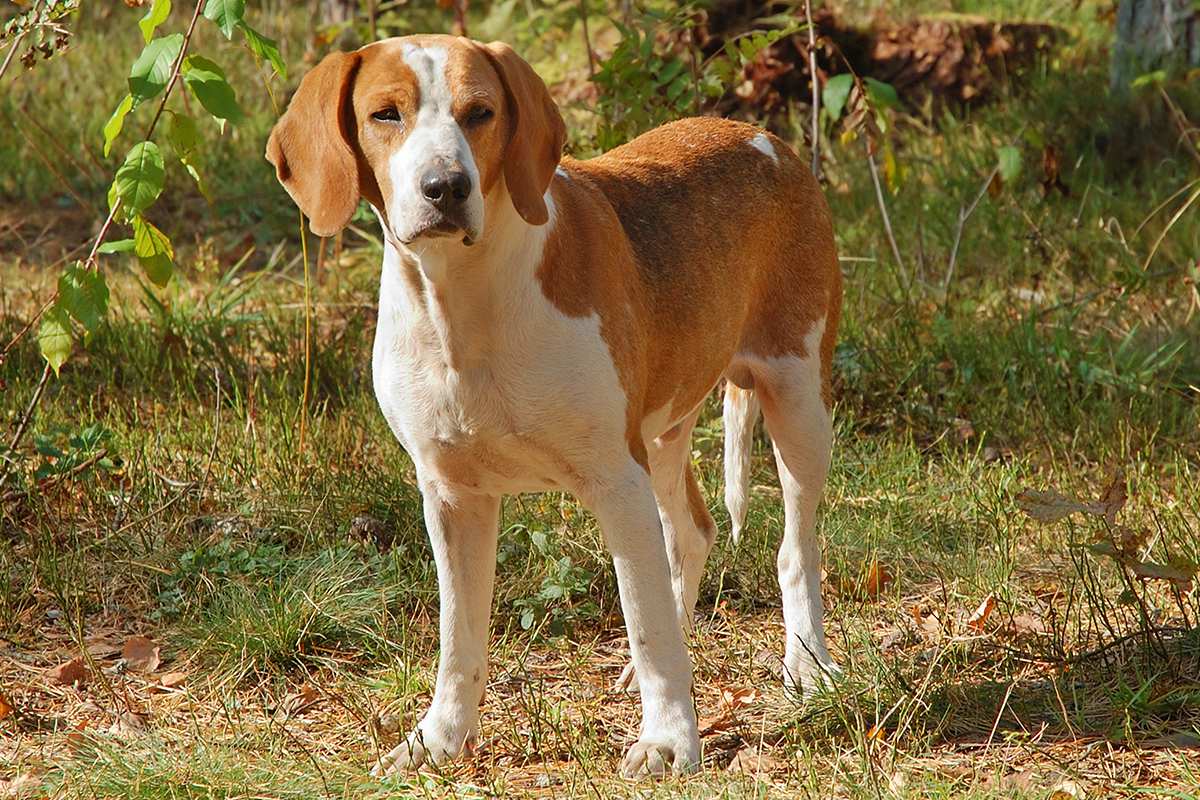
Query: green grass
{"type": "Point", "coordinates": [263, 561]}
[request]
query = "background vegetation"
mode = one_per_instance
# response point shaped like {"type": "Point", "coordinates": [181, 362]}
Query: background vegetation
{"type": "Point", "coordinates": [213, 577]}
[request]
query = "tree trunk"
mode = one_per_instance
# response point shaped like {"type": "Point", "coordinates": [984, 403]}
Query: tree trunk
{"type": "Point", "coordinates": [1152, 35]}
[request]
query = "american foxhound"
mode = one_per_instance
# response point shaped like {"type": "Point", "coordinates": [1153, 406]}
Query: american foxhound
{"type": "Point", "coordinates": [547, 323]}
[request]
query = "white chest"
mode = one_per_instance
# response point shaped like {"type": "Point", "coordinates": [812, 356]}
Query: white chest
{"type": "Point", "coordinates": [533, 403]}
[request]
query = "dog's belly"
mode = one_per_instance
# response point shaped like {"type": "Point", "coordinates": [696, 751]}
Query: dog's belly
{"type": "Point", "coordinates": [499, 464]}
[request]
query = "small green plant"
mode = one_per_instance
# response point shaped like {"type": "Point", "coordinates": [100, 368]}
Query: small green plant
{"type": "Point", "coordinates": [654, 75]}
{"type": "Point", "coordinates": [66, 453]}
{"type": "Point", "coordinates": [564, 597]}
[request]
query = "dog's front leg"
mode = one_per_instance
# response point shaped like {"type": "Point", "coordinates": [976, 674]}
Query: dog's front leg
{"type": "Point", "coordinates": [629, 520]}
{"type": "Point", "coordinates": [462, 530]}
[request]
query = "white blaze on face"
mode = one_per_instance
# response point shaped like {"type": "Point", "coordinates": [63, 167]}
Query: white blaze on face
{"type": "Point", "coordinates": [435, 141]}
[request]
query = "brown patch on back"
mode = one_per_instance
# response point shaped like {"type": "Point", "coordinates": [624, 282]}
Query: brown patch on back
{"type": "Point", "coordinates": [693, 246]}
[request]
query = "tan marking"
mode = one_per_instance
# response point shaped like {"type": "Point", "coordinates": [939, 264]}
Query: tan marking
{"type": "Point", "coordinates": [683, 275]}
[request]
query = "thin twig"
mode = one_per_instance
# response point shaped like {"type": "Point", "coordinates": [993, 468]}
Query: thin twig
{"type": "Point", "coordinates": [587, 40]}
{"type": "Point", "coordinates": [816, 91]}
{"type": "Point", "coordinates": [887, 220]}
{"type": "Point", "coordinates": [12, 51]}
{"type": "Point", "coordinates": [963, 215]}
{"type": "Point", "coordinates": [23, 425]}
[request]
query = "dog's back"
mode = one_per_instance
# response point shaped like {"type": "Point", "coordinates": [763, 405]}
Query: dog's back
{"type": "Point", "coordinates": [733, 250]}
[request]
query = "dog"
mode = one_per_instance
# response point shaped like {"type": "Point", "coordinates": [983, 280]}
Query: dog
{"type": "Point", "coordinates": [547, 323]}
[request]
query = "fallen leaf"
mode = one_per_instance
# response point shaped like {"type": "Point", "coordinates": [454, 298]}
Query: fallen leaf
{"type": "Point", "coordinates": [141, 654]}
{"type": "Point", "coordinates": [72, 672]}
{"type": "Point", "coordinates": [1113, 498]}
{"type": "Point", "coordinates": [752, 761]}
{"type": "Point", "coordinates": [877, 579]}
{"type": "Point", "coordinates": [103, 649]}
{"type": "Point", "coordinates": [739, 698]}
{"type": "Point", "coordinates": [7, 709]}
{"type": "Point", "coordinates": [978, 619]}
{"type": "Point", "coordinates": [1051, 506]}
{"type": "Point", "coordinates": [928, 622]}
{"type": "Point", "coordinates": [1180, 576]}
{"type": "Point", "coordinates": [1025, 624]}
{"type": "Point", "coordinates": [301, 700]}
{"type": "Point", "coordinates": [1067, 790]}
{"type": "Point", "coordinates": [171, 680]}
{"type": "Point", "coordinates": [20, 786]}
{"type": "Point", "coordinates": [127, 724]}
{"type": "Point", "coordinates": [716, 724]}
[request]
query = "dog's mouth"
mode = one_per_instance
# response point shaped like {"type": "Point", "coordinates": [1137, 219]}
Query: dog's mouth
{"type": "Point", "coordinates": [446, 226]}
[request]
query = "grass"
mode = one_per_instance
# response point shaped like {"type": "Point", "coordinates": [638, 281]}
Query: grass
{"type": "Point", "coordinates": [291, 584]}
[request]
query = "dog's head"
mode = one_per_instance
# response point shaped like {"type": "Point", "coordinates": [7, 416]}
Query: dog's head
{"type": "Point", "coordinates": [431, 130]}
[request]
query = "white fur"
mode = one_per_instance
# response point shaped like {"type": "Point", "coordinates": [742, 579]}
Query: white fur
{"type": "Point", "coordinates": [762, 143]}
{"type": "Point", "coordinates": [493, 390]}
{"type": "Point", "coordinates": [435, 140]}
{"type": "Point", "coordinates": [740, 413]}
{"type": "Point", "coordinates": [802, 432]}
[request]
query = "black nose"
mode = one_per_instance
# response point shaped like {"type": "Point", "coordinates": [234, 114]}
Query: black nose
{"type": "Point", "coordinates": [446, 188]}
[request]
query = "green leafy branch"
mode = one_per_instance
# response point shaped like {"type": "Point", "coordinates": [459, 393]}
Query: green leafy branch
{"type": "Point", "coordinates": [644, 83]}
{"type": "Point", "coordinates": [80, 302]}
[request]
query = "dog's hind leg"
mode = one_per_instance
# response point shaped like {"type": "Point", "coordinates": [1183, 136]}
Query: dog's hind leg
{"type": "Point", "coordinates": [801, 427]}
{"type": "Point", "coordinates": [688, 528]}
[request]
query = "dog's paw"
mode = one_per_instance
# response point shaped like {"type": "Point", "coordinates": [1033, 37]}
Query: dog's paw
{"type": "Point", "coordinates": [429, 745]}
{"type": "Point", "coordinates": [661, 755]}
{"type": "Point", "coordinates": [807, 677]}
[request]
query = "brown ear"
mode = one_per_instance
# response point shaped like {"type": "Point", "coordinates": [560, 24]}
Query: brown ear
{"type": "Point", "coordinates": [311, 147]}
{"type": "Point", "coordinates": [536, 134]}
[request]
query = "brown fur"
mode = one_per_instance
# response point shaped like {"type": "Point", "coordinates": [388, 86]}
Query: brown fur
{"type": "Point", "coordinates": [693, 247]}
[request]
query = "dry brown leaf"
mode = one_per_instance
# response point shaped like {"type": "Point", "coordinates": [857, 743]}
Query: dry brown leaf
{"type": "Point", "coordinates": [141, 654]}
{"type": "Point", "coordinates": [171, 680]}
{"type": "Point", "coordinates": [1113, 498]}
{"type": "Point", "coordinates": [1180, 576]}
{"type": "Point", "coordinates": [928, 621]}
{"type": "Point", "coordinates": [20, 786]}
{"type": "Point", "coordinates": [74, 671]}
{"type": "Point", "coordinates": [1025, 624]}
{"type": "Point", "coordinates": [127, 724]}
{"type": "Point", "coordinates": [739, 698]}
{"type": "Point", "coordinates": [1051, 506]}
{"type": "Point", "coordinates": [877, 579]}
{"type": "Point", "coordinates": [716, 724]}
{"type": "Point", "coordinates": [301, 700]}
{"type": "Point", "coordinates": [103, 649]}
{"type": "Point", "coordinates": [752, 761]}
{"type": "Point", "coordinates": [978, 619]}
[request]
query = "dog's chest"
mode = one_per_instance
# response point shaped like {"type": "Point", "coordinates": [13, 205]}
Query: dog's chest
{"type": "Point", "coordinates": [528, 416]}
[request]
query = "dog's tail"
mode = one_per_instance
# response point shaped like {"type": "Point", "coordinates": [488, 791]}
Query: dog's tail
{"type": "Point", "coordinates": [741, 413]}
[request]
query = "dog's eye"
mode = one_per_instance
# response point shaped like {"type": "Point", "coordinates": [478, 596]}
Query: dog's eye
{"type": "Point", "coordinates": [389, 114]}
{"type": "Point", "coordinates": [479, 114]}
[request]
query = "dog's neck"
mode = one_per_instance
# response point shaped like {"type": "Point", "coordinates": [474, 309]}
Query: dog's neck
{"type": "Point", "coordinates": [461, 298]}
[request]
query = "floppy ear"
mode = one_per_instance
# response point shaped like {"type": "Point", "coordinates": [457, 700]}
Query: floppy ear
{"type": "Point", "coordinates": [536, 133]}
{"type": "Point", "coordinates": [311, 147]}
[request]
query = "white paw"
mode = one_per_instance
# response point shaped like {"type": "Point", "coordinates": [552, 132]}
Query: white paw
{"type": "Point", "coordinates": [661, 755]}
{"type": "Point", "coordinates": [430, 744]}
{"type": "Point", "coordinates": [806, 677]}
